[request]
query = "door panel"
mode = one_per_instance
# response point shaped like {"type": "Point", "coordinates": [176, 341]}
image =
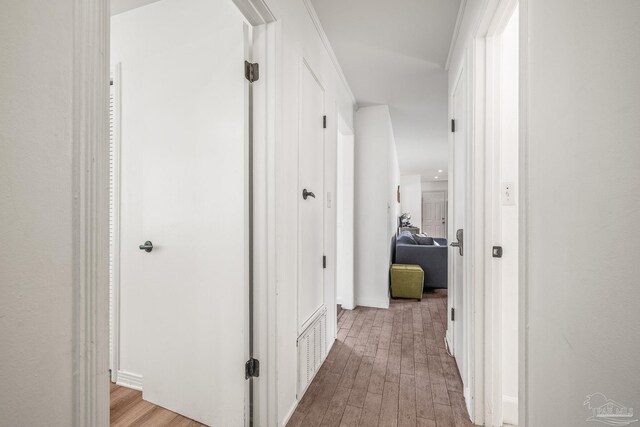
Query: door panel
{"type": "Point", "coordinates": [458, 217]}
{"type": "Point", "coordinates": [434, 214]}
{"type": "Point", "coordinates": [310, 211]}
{"type": "Point", "coordinates": [186, 100]}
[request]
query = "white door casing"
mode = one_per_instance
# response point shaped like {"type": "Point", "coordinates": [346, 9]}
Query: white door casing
{"type": "Point", "coordinates": [310, 210]}
{"type": "Point", "coordinates": [345, 209]}
{"type": "Point", "coordinates": [457, 200]}
{"type": "Point", "coordinates": [192, 201]}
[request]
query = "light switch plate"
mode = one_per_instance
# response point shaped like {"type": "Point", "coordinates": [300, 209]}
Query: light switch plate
{"type": "Point", "coordinates": [508, 193]}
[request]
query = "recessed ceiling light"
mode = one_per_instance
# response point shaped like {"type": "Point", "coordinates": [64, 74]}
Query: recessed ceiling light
{"type": "Point", "coordinates": [435, 177]}
{"type": "Point", "coordinates": [439, 170]}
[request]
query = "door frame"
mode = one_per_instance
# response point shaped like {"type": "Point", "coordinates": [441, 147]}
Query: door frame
{"type": "Point", "coordinates": [486, 389]}
{"type": "Point", "coordinates": [90, 157]}
{"type": "Point", "coordinates": [493, 217]}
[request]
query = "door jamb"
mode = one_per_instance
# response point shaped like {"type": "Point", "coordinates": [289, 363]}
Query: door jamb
{"type": "Point", "coordinates": [493, 19]}
{"type": "Point", "coordinates": [348, 304]}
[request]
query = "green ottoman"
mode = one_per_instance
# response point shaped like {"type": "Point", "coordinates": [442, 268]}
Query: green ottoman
{"type": "Point", "coordinates": [407, 281]}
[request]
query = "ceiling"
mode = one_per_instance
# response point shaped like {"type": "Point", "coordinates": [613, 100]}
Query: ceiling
{"type": "Point", "coordinates": [394, 52]}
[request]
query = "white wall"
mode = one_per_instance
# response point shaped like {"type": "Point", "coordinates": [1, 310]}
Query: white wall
{"type": "Point", "coordinates": [345, 224]}
{"type": "Point", "coordinates": [376, 208]}
{"type": "Point", "coordinates": [435, 186]}
{"type": "Point", "coordinates": [411, 198]}
{"type": "Point", "coordinates": [297, 38]}
{"type": "Point", "coordinates": [509, 215]}
{"type": "Point", "coordinates": [36, 208]}
{"type": "Point", "coordinates": [583, 175]}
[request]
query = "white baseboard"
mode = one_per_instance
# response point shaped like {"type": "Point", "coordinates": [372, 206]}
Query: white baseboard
{"type": "Point", "coordinates": [373, 302]}
{"type": "Point", "coordinates": [129, 380]}
{"type": "Point", "coordinates": [290, 413]}
{"type": "Point", "coordinates": [338, 301]}
{"type": "Point", "coordinates": [467, 399]}
{"type": "Point", "coordinates": [510, 410]}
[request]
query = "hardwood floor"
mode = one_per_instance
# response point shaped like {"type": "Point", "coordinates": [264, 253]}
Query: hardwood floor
{"type": "Point", "coordinates": [388, 368]}
{"type": "Point", "coordinates": [128, 409]}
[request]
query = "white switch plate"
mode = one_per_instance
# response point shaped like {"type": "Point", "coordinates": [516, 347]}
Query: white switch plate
{"type": "Point", "coordinates": [508, 193]}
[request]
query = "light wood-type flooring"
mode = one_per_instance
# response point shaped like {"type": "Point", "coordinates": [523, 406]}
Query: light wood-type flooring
{"type": "Point", "coordinates": [128, 409]}
{"type": "Point", "coordinates": [388, 368]}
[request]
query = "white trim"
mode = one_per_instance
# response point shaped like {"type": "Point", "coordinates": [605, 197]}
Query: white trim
{"type": "Point", "coordinates": [509, 409]}
{"type": "Point", "coordinates": [114, 310]}
{"type": "Point", "coordinates": [488, 389]}
{"type": "Point", "coordinates": [256, 12]}
{"type": "Point", "coordinates": [523, 214]}
{"type": "Point", "coordinates": [91, 213]}
{"type": "Point", "coordinates": [129, 380]}
{"type": "Point", "coordinates": [265, 390]}
{"type": "Point", "coordinates": [327, 46]}
{"type": "Point", "coordinates": [372, 302]}
{"type": "Point", "coordinates": [456, 33]}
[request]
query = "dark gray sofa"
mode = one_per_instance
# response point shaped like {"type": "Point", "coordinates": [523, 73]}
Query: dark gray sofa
{"type": "Point", "coordinates": [432, 258]}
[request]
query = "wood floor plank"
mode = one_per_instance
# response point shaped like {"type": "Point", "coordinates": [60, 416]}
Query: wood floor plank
{"type": "Point", "coordinates": [378, 372]}
{"type": "Point", "coordinates": [385, 335]}
{"type": "Point", "coordinates": [379, 320]}
{"type": "Point", "coordinates": [321, 401]}
{"type": "Point", "coordinates": [417, 318]}
{"type": "Point", "coordinates": [407, 401]}
{"type": "Point", "coordinates": [131, 416]}
{"type": "Point", "coordinates": [296, 419]}
{"type": "Point", "coordinates": [351, 416]}
{"type": "Point", "coordinates": [389, 405]}
{"type": "Point", "coordinates": [422, 422]}
{"type": "Point", "coordinates": [371, 410]}
{"type": "Point", "coordinates": [393, 363]}
{"type": "Point", "coordinates": [351, 369]}
{"type": "Point", "coordinates": [407, 355]}
{"type": "Point", "coordinates": [343, 356]}
{"type": "Point", "coordinates": [372, 343]}
{"type": "Point", "coordinates": [450, 370]}
{"type": "Point", "coordinates": [396, 332]}
{"type": "Point", "coordinates": [361, 383]}
{"type": "Point", "coordinates": [438, 384]}
{"type": "Point", "coordinates": [459, 409]}
{"type": "Point", "coordinates": [419, 348]}
{"type": "Point", "coordinates": [128, 410]}
{"type": "Point", "coordinates": [444, 416]}
{"type": "Point", "coordinates": [424, 396]}
{"type": "Point", "coordinates": [157, 417]}
{"type": "Point", "coordinates": [336, 408]}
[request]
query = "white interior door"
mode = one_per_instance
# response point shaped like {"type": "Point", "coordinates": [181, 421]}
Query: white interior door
{"type": "Point", "coordinates": [458, 218]}
{"type": "Point", "coordinates": [434, 214]}
{"type": "Point", "coordinates": [184, 105]}
{"type": "Point", "coordinates": [310, 210]}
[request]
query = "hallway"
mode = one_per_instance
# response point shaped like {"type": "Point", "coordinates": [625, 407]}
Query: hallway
{"type": "Point", "coordinates": [388, 368]}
